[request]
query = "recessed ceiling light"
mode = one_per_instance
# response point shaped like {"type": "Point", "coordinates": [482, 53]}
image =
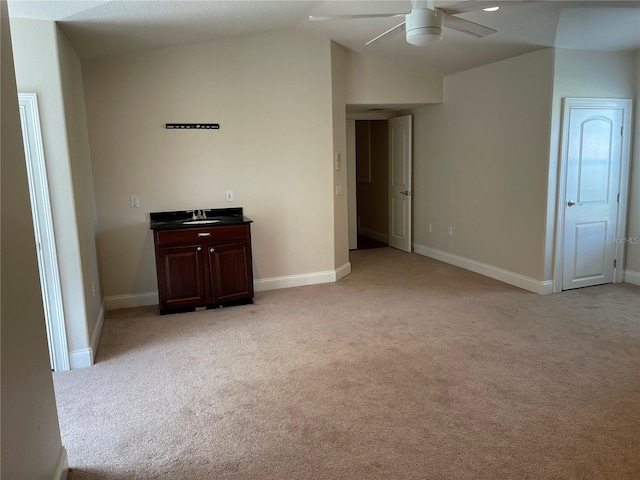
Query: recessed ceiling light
{"type": "Point", "coordinates": [491, 9]}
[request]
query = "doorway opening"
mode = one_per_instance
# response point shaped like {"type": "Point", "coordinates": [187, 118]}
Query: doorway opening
{"type": "Point", "coordinates": [380, 182]}
{"type": "Point", "coordinates": [372, 183]}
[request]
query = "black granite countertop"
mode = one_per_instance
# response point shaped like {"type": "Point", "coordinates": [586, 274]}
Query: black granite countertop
{"type": "Point", "coordinates": [211, 217]}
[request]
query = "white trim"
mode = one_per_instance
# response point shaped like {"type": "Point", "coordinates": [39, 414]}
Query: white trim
{"type": "Point", "coordinates": [85, 357]}
{"type": "Point", "coordinates": [371, 115]}
{"type": "Point", "coordinates": [381, 237]}
{"type": "Point", "coordinates": [97, 331]}
{"type": "Point", "coordinates": [260, 285]}
{"type": "Point", "coordinates": [343, 271]}
{"type": "Point", "coordinates": [543, 287]}
{"type": "Point", "coordinates": [62, 466]}
{"type": "Point", "coordinates": [82, 358]}
{"type": "Point", "coordinates": [44, 232]}
{"type": "Point", "coordinates": [132, 300]}
{"type": "Point", "coordinates": [568, 103]}
{"type": "Point", "coordinates": [632, 277]}
{"type": "Point", "coordinates": [288, 281]}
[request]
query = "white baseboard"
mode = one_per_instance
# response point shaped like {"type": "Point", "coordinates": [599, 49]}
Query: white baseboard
{"type": "Point", "coordinates": [381, 237]}
{"type": "Point", "coordinates": [82, 358]}
{"type": "Point", "coordinates": [260, 285]}
{"type": "Point", "coordinates": [288, 281]}
{"type": "Point", "coordinates": [536, 286]}
{"type": "Point", "coordinates": [632, 277]}
{"type": "Point", "coordinates": [97, 331]}
{"type": "Point", "coordinates": [133, 300]}
{"type": "Point", "coordinates": [343, 271]}
{"type": "Point", "coordinates": [62, 466]}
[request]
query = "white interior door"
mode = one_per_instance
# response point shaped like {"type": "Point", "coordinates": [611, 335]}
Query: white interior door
{"type": "Point", "coordinates": [400, 148]}
{"type": "Point", "coordinates": [43, 231]}
{"type": "Point", "coordinates": [593, 152]}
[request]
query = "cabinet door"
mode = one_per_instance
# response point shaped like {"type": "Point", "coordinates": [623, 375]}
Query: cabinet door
{"type": "Point", "coordinates": [181, 279]}
{"type": "Point", "coordinates": [231, 272]}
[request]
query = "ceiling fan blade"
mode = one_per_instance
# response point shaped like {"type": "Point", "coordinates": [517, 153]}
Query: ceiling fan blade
{"type": "Point", "coordinates": [465, 26]}
{"type": "Point", "coordinates": [474, 5]}
{"type": "Point", "coordinates": [393, 31]}
{"type": "Point", "coordinates": [323, 18]}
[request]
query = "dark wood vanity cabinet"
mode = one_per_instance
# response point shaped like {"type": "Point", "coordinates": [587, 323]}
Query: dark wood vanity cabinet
{"type": "Point", "coordinates": [180, 276]}
{"type": "Point", "coordinates": [203, 267]}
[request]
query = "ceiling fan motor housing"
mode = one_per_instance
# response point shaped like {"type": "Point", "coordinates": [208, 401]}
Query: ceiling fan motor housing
{"type": "Point", "coordinates": [424, 26]}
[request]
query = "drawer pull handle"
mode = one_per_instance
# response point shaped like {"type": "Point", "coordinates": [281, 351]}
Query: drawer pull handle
{"type": "Point", "coordinates": [204, 234]}
{"type": "Point", "coordinates": [199, 248]}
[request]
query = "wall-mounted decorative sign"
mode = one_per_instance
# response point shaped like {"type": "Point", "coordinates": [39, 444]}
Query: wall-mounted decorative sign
{"type": "Point", "coordinates": [193, 126]}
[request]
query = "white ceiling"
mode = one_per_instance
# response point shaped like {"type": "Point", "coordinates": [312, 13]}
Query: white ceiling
{"type": "Point", "coordinates": [102, 28]}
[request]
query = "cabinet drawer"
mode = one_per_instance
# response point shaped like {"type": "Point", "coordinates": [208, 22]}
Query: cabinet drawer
{"type": "Point", "coordinates": [191, 236]}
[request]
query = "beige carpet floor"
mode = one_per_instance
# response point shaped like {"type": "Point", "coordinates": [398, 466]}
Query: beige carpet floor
{"type": "Point", "coordinates": [406, 369]}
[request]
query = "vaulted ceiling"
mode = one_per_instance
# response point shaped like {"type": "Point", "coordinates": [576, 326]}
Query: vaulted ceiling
{"type": "Point", "coordinates": [103, 28]}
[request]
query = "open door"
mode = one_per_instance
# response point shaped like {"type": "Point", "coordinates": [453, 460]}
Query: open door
{"type": "Point", "coordinates": [400, 148]}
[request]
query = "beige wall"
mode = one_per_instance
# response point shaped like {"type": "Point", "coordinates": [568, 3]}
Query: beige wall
{"type": "Point", "coordinates": [46, 65]}
{"type": "Point", "coordinates": [31, 445]}
{"type": "Point", "coordinates": [339, 58]}
{"type": "Point", "coordinates": [271, 95]}
{"type": "Point", "coordinates": [580, 73]}
{"type": "Point", "coordinates": [633, 231]}
{"type": "Point", "coordinates": [82, 178]}
{"type": "Point", "coordinates": [372, 81]}
{"type": "Point", "coordinates": [480, 165]}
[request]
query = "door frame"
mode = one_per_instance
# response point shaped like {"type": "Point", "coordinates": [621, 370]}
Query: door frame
{"type": "Point", "coordinates": [43, 232]}
{"type": "Point", "coordinates": [351, 167]}
{"type": "Point", "coordinates": [606, 103]}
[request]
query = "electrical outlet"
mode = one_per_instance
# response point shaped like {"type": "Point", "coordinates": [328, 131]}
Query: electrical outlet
{"type": "Point", "coordinates": [134, 201]}
{"type": "Point", "coordinates": [229, 196]}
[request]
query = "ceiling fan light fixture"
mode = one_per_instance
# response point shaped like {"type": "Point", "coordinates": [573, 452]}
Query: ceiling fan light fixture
{"type": "Point", "coordinates": [424, 26]}
{"type": "Point", "coordinates": [422, 37]}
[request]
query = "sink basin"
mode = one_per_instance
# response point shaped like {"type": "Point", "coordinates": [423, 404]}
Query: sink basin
{"type": "Point", "coordinates": [200, 222]}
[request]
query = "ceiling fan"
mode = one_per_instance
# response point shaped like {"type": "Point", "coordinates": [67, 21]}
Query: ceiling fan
{"type": "Point", "coordinates": [424, 23]}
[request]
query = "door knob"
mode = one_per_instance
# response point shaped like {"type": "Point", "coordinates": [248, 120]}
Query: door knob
{"type": "Point", "coordinates": [406, 192]}
{"type": "Point", "coordinates": [571, 203]}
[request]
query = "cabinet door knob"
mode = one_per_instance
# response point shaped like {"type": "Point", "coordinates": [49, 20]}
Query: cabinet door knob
{"type": "Point", "coordinates": [212, 249]}
{"type": "Point", "coordinates": [199, 248]}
